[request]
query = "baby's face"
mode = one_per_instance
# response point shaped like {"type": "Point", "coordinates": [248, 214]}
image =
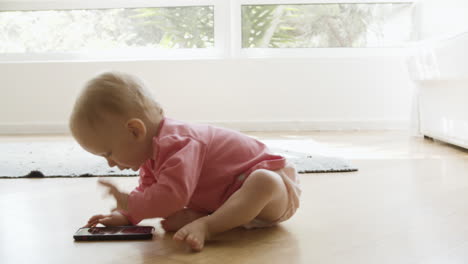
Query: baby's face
{"type": "Point", "coordinates": [117, 145]}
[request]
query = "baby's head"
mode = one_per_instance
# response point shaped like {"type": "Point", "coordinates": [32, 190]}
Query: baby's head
{"type": "Point", "coordinates": [116, 117]}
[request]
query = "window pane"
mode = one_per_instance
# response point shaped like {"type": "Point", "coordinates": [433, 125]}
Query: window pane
{"type": "Point", "coordinates": [106, 29]}
{"type": "Point", "coordinates": [326, 25]}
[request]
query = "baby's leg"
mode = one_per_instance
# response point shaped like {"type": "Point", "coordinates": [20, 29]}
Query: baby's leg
{"type": "Point", "coordinates": [180, 218]}
{"type": "Point", "coordinates": [263, 195]}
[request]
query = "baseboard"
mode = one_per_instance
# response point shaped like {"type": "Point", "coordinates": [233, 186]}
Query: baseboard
{"type": "Point", "coordinates": [313, 125]}
{"type": "Point", "coordinates": [34, 128]}
{"type": "Point", "coordinates": [280, 125]}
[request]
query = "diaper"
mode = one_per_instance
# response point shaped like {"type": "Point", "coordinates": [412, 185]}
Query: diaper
{"type": "Point", "coordinates": [291, 181]}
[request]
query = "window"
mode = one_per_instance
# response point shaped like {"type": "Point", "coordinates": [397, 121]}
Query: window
{"type": "Point", "coordinates": [106, 29]}
{"type": "Point", "coordinates": [148, 29]}
{"type": "Point", "coordinates": [326, 25]}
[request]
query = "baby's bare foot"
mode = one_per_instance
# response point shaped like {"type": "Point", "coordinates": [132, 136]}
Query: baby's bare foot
{"type": "Point", "coordinates": [179, 219]}
{"type": "Point", "coordinates": [194, 234]}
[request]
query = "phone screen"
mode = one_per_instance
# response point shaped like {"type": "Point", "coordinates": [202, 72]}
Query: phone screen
{"type": "Point", "coordinates": [114, 232]}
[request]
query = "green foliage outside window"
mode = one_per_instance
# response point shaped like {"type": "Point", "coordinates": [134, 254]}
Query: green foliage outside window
{"type": "Point", "coordinates": [320, 25]}
{"type": "Point", "coordinates": [106, 29]}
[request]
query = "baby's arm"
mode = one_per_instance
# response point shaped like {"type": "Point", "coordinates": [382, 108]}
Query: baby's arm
{"type": "Point", "coordinates": [113, 219]}
{"type": "Point", "coordinates": [179, 172]}
{"type": "Point", "coordinates": [120, 197]}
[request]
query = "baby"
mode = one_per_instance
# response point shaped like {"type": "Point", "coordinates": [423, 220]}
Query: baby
{"type": "Point", "coordinates": [201, 179]}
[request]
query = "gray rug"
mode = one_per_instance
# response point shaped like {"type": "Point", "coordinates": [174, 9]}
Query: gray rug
{"type": "Point", "coordinates": [67, 159]}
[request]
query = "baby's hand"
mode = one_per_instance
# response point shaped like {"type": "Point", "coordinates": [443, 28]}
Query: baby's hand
{"type": "Point", "coordinates": [120, 197]}
{"type": "Point", "coordinates": [113, 219]}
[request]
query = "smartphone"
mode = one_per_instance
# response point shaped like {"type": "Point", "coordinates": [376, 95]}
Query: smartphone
{"type": "Point", "coordinates": [114, 233]}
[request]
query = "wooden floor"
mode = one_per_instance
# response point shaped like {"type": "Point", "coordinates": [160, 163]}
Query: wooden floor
{"type": "Point", "coordinates": [408, 203]}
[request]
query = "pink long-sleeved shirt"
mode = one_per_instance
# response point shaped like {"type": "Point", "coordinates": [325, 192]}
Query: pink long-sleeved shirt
{"type": "Point", "coordinates": [195, 166]}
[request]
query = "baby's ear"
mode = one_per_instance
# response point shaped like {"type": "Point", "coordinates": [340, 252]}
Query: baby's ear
{"type": "Point", "coordinates": [137, 128]}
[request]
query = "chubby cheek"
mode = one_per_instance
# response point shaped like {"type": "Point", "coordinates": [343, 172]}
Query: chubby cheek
{"type": "Point", "coordinates": [118, 160]}
{"type": "Point", "coordinates": [132, 155]}
{"type": "Point", "coordinates": [136, 158]}
{"type": "Point", "coordinates": [131, 163]}
{"type": "Point", "coordinates": [125, 161]}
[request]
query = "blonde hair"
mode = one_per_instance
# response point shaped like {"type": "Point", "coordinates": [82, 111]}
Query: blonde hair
{"type": "Point", "coordinates": [115, 93]}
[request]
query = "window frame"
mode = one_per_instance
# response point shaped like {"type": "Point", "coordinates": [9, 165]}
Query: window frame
{"type": "Point", "coordinates": [227, 32]}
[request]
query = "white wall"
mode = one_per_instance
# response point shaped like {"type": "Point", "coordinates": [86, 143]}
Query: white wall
{"type": "Point", "coordinates": [254, 94]}
{"type": "Point", "coordinates": [442, 18]}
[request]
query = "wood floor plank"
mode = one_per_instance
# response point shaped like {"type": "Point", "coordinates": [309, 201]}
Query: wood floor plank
{"type": "Point", "coordinates": [408, 203]}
